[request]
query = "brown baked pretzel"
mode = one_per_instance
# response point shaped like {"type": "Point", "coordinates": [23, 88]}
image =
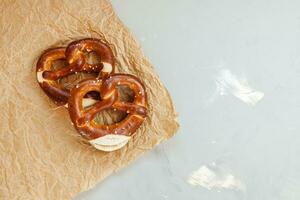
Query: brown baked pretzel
{"type": "Point", "coordinates": [74, 55]}
{"type": "Point", "coordinates": [108, 89]}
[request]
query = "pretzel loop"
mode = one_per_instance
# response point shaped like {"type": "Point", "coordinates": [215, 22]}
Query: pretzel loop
{"type": "Point", "coordinates": [108, 88]}
{"type": "Point", "coordinates": [75, 54]}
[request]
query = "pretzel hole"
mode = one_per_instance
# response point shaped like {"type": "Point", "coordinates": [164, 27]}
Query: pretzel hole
{"type": "Point", "coordinates": [110, 116]}
{"type": "Point", "coordinates": [125, 93]}
{"type": "Point", "coordinates": [58, 64]}
{"type": "Point", "coordinates": [92, 98]}
{"type": "Point", "coordinates": [93, 95]}
{"type": "Point", "coordinates": [72, 80]}
{"type": "Point", "coordinates": [92, 57]}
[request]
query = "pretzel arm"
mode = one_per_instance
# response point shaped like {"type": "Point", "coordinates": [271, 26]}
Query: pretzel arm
{"type": "Point", "coordinates": [60, 73]}
{"type": "Point", "coordinates": [90, 114]}
{"type": "Point", "coordinates": [131, 108]}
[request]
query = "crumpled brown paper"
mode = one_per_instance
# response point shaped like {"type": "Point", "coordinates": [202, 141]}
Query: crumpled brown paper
{"type": "Point", "coordinates": [41, 155]}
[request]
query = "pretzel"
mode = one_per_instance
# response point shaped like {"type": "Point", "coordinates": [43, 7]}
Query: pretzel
{"type": "Point", "coordinates": [74, 55]}
{"type": "Point", "coordinates": [114, 136]}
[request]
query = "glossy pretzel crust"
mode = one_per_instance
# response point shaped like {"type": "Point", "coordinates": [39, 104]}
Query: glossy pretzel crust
{"type": "Point", "coordinates": [83, 119]}
{"type": "Point", "coordinates": [74, 55]}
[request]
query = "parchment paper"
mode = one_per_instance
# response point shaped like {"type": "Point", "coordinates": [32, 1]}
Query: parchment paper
{"type": "Point", "coordinates": [41, 155]}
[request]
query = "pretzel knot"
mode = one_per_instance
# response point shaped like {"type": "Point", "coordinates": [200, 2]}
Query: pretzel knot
{"type": "Point", "coordinates": [114, 136]}
{"type": "Point", "coordinates": [74, 54]}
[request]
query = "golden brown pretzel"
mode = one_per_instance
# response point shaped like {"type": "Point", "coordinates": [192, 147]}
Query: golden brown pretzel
{"type": "Point", "coordinates": [74, 55]}
{"type": "Point", "coordinates": [111, 136]}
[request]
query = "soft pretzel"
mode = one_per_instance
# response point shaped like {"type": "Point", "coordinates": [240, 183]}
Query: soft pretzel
{"type": "Point", "coordinates": [114, 136]}
{"type": "Point", "coordinates": [74, 55]}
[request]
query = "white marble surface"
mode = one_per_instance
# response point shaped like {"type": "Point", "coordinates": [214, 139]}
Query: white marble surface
{"type": "Point", "coordinates": [233, 70]}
